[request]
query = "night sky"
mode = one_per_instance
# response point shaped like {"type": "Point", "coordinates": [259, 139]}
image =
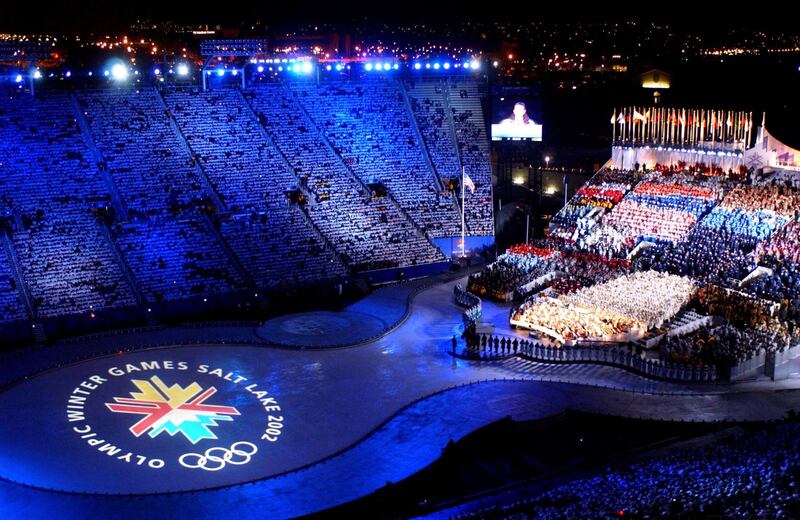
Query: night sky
{"type": "Point", "coordinates": [95, 15]}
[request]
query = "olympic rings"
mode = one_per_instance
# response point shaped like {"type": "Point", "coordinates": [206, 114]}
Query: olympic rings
{"type": "Point", "coordinates": [214, 459]}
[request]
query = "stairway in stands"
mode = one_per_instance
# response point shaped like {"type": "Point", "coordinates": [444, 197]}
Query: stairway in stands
{"type": "Point", "coordinates": [389, 198]}
{"type": "Point", "coordinates": [16, 272]}
{"type": "Point", "coordinates": [423, 143]}
{"type": "Point", "coordinates": [126, 271]}
{"type": "Point", "coordinates": [116, 199]}
{"type": "Point", "coordinates": [201, 174]}
{"type": "Point", "coordinates": [268, 138]}
{"type": "Point", "coordinates": [228, 251]}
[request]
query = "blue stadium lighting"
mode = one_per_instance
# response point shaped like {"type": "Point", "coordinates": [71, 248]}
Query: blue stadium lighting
{"type": "Point", "coordinates": [18, 79]}
{"type": "Point", "coordinates": [446, 65]}
{"type": "Point", "coordinates": [368, 67]}
{"type": "Point", "coordinates": [280, 69]}
{"type": "Point", "coordinates": [387, 66]}
{"type": "Point", "coordinates": [37, 74]}
{"type": "Point", "coordinates": [183, 69]}
{"type": "Point", "coordinates": [339, 66]}
{"type": "Point", "coordinates": [417, 66]}
{"type": "Point", "coordinates": [119, 72]}
{"type": "Point", "coordinates": [260, 69]}
{"type": "Point", "coordinates": [427, 65]}
{"type": "Point", "coordinates": [157, 71]}
{"type": "Point", "coordinates": [296, 68]}
{"type": "Point", "coordinates": [235, 72]}
{"type": "Point", "coordinates": [307, 67]}
{"type": "Point", "coordinates": [395, 66]}
{"type": "Point", "coordinates": [106, 73]}
{"type": "Point", "coordinates": [220, 72]}
{"type": "Point", "coordinates": [328, 67]}
{"type": "Point", "coordinates": [68, 74]}
{"type": "Point", "coordinates": [466, 65]}
{"type": "Point", "coordinates": [475, 64]}
{"type": "Point", "coordinates": [436, 66]}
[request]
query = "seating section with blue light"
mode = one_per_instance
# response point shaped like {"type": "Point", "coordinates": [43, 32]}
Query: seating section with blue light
{"type": "Point", "coordinates": [275, 257]}
{"type": "Point", "coordinates": [126, 196]}
{"type": "Point", "coordinates": [176, 257]}
{"type": "Point", "coordinates": [226, 139]}
{"type": "Point", "coordinates": [277, 244]}
{"type": "Point", "coordinates": [368, 231]}
{"type": "Point", "coordinates": [369, 126]}
{"type": "Point", "coordinates": [46, 166]}
{"type": "Point", "coordinates": [52, 185]}
{"type": "Point", "coordinates": [464, 98]}
{"type": "Point", "coordinates": [11, 306]}
{"type": "Point", "coordinates": [144, 156]}
{"type": "Point", "coordinates": [70, 268]}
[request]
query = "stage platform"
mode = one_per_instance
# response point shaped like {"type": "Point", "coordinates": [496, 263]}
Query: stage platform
{"type": "Point", "coordinates": [367, 319]}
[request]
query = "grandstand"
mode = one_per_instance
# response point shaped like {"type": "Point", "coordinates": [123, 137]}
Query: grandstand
{"type": "Point", "coordinates": [132, 197]}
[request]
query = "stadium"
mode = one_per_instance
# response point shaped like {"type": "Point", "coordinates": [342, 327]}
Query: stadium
{"type": "Point", "coordinates": [270, 286]}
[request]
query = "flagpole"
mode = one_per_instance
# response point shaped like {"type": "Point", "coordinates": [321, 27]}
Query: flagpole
{"type": "Point", "coordinates": [463, 203]}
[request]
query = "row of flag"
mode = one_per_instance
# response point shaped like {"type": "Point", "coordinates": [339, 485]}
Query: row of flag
{"type": "Point", "coordinates": [681, 126]}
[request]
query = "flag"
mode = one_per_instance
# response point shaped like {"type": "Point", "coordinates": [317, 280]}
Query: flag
{"type": "Point", "coordinates": [469, 184]}
{"type": "Point", "coordinates": [620, 118]}
{"type": "Point", "coordinates": [637, 116]}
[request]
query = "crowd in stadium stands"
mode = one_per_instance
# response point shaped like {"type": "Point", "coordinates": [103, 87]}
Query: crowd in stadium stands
{"type": "Point", "coordinates": [524, 263]}
{"type": "Point", "coordinates": [707, 253]}
{"type": "Point", "coordinates": [51, 186]}
{"type": "Point", "coordinates": [750, 475]}
{"type": "Point", "coordinates": [140, 149]}
{"type": "Point", "coordinates": [105, 206]}
{"type": "Point", "coordinates": [71, 266]}
{"type": "Point", "coordinates": [664, 211]}
{"type": "Point", "coordinates": [464, 98]}
{"type": "Point", "coordinates": [784, 246]}
{"type": "Point", "coordinates": [176, 258]}
{"type": "Point", "coordinates": [722, 346]}
{"type": "Point", "coordinates": [369, 126]}
{"type": "Point", "coordinates": [430, 110]}
{"type": "Point", "coordinates": [603, 190]}
{"type": "Point", "coordinates": [11, 306]}
{"type": "Point", "coordinates": [366, 230]}
{"type": "Point", "coordinates": [278, 246]}
{"type": "Point", "coordinates": [273, 258]}
{"type": "Point", "coordinates": [782, 286]}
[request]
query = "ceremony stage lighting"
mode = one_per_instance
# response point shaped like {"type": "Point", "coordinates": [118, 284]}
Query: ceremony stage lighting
{"type": "Point", "coordinates": [183, 69]}
{"type": "Point", "coordinates": [119, 72]}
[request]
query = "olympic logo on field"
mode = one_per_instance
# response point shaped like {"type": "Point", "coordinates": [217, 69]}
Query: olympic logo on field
{"type": "Point", "coordinates": [216, 458]}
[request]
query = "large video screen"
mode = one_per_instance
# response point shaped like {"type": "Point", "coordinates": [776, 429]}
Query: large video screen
{"type": "Point", "coordinates": [516, 114]}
